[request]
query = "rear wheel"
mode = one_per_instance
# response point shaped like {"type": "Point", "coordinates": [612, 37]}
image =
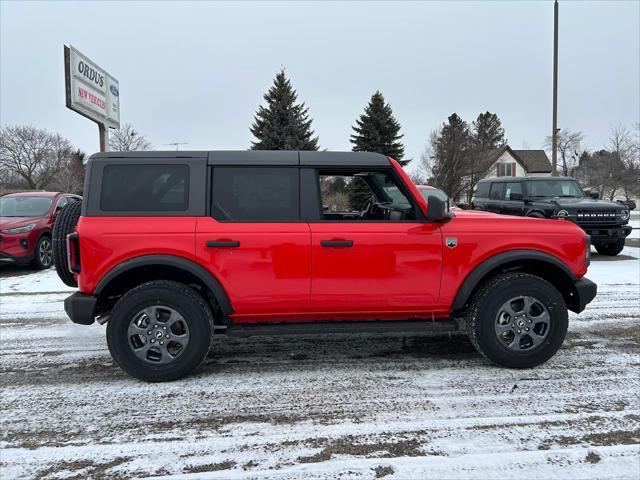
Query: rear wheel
{"type": "Point", "coordinates": [43, 256]}
{"type": "Point", "coordinates": [611, 249]}
{"type": "Point", "coordinates": [160, 331]}
{"type": "Point", "coordinates": [65, 223]}
{"type": "Point", "coordinates": [517, 320]}
{"type": "Point", "coordinates": [536, 215]}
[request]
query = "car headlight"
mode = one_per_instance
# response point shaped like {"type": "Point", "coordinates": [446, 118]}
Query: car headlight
{"type": "Point", "coordinates": [562, 214]}
{"type": "Point", "coordinates": [624, 214]}
{"type": "Point", "coordinates": [26, 228]}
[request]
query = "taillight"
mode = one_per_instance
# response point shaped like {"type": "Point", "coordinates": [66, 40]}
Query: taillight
{"type": "Point", "coordinates": [73, 252]}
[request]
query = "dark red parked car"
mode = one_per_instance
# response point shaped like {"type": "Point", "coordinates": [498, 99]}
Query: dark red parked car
{"type": "Point", "coordinates": [26, 222]}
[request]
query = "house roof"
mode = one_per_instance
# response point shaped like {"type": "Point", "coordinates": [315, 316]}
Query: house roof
{"type": "Point", "coordinates": [533, 161]}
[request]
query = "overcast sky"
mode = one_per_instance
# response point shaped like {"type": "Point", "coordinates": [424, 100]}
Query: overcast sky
{"type": "Point", "coordinates": [195, 72]}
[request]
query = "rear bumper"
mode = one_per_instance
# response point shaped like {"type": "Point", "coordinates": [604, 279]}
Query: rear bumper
{"type": "Point", "coordinates": [80, 308]}
{"type": "Point", "coordinates": [585, 291]}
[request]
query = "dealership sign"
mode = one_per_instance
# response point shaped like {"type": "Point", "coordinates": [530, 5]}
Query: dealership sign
{"type": "Point", "coordinates": [90, 90]}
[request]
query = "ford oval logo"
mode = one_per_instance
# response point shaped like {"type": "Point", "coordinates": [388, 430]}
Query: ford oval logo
{"type": "Point", "coordinates": [114, 90]}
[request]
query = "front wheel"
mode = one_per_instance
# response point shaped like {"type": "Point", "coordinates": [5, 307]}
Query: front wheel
{"type": "Point", "coordinates": [160, 331]}
{"type": "Point", "coordinates": [517, 320]}
{"type": "Point", "coordinates": [611, 249]}
{"type": "Point", "coordinates": [43, 255]}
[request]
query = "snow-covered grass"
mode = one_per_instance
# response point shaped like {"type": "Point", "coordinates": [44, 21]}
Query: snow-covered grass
{"type": "Point", "coordinates": [325, 406]}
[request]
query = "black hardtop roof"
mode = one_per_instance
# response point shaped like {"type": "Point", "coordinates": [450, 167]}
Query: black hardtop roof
{"type": "Point", "coordinates": [519, 179]}
{"type": "Point", "coordinates": [258, 157]}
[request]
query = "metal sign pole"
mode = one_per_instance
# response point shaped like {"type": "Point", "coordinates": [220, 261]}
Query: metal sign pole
{"type": "Point", "coordinates": [103, 130]}
{"type": "Point", "coordinates": [554, 127]}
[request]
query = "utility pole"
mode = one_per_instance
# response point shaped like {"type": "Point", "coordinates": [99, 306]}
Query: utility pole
{"type": "Point", "coordinates": [554, 131]}
{"type": "Point", "coordinates": [176, 144]}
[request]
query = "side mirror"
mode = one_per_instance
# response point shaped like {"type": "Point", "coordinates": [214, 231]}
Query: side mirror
{"type": "Point", "coordinates": [594, 195]}
{"type": "Point", "coordinates": [516, 196]}
{"type": "Point", "coordinates": [436, 210]}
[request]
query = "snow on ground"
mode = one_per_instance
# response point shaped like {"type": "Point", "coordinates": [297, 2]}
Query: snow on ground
{"type": "Point", "coordinates": [324, 406]}
{"type": "Point", "coordinates": [634, 221]}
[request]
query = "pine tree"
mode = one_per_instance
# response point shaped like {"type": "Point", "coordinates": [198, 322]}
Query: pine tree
{"type": "Point", "coordinates": [282, 124]}
{"type": "Point", "coordinates": [377, 130]}
{"type": "Point", "coordinates": [452, 148]}
{"type": "Point", "coordinates": [488, 132]}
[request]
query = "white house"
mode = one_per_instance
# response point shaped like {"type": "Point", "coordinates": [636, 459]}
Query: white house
{"type": "Point", "coordinates": [506, 162]}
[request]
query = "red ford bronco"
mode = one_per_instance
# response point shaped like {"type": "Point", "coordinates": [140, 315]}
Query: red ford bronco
{"type": "Point", "coordinates": [172, 248]}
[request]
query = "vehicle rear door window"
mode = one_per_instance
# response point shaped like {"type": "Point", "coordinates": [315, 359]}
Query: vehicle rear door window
{"type": "Point", "coordinates": [145, 188]}
{"type": "Point", "coordinates": [256, 194]}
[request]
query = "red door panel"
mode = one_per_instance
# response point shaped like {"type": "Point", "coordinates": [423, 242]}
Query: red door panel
{"type": "Point", "coordinates": [390, 267]}
{"type": "Point", "coordinates": [267, 273]}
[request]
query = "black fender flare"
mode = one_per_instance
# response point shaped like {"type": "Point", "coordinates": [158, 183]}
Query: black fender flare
{"type": "Point", "coordinates": [185, 264]}
{"type": "Point", "coordinates": [492, 263]}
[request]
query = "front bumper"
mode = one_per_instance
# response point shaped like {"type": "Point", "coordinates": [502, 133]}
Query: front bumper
{"type": "Point", "coordinates": [584, 291]}
{"type": "Point", "coordinates": [17, 248]}
{"type": "Point", "coordinates": [19, 260]}
{"type": "Point", "coordinates": [80, 308]}
{"type": "Point", "coordinates": [602, 232]}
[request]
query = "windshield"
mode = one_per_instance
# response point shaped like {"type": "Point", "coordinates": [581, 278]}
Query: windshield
{"type": "Point", "coordinates": [24, 206]}
{"type": "Point", "coordinates": [397, 197]}
{"type": "Point", "coordinates": [554, 188]}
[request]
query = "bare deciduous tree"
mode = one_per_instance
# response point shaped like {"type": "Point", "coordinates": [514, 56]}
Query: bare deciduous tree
{"type": "Point", "coordinates": [614, 171]}
{"type": "Point", "coordinates": [568, 148]}
{"type": "Point", "coordinates": [127, 139]}
{"type": "Point", "coordinates": [32, 154]}
{"type": "Point", "coordinates": [70, 176]}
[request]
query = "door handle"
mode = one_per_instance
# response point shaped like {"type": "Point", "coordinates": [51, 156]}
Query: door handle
{"type": "Point", "coordinates": [222, 243]}
{"type": "Point", "coordinates": [336, 243]}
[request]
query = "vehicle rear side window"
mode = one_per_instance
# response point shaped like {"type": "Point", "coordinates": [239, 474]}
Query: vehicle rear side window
{"type": "Point", "coordinates": [483, 190]}
{"type": "Point", "coordinates": [256, 194]}
{"type": "Point", "coordinates": [145, 188]}
{"type": "Point", "coordinates": [497, 191]}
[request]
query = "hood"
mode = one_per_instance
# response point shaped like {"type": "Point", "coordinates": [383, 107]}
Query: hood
{"type": "Point", "coordinates": [14, 222]}
{"type": "Point", "coordinates": [481, 222]}
{"type": "Point", "coordinates": [459, 212]}
{"type": "Point", "coordinates": [582, 202]}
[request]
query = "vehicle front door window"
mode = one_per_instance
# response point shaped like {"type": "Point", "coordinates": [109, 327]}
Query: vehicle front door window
{"type": "Point", "coordinates": [512, 188]}
{"type": "Point", "coordinates": [363, 196]}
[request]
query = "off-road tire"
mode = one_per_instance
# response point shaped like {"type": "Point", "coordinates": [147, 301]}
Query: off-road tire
{"type": "Point", "coordinates": [193, 308]}
{"type": "Point", "coordinates": [65, 223]}
{"type": "Point", "coordinates": [37, 262]}
{"type": "Point", "coordinates": [484, 307]}
{"type": "Point", "coordinates": [611, 249]}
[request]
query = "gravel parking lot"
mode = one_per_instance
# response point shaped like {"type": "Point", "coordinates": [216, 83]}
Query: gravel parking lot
{"type": "Point", "coordinates": [335, 406]}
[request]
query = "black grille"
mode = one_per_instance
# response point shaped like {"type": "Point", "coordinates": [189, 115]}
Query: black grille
{"type": "Point", "coordinates": [597, 216]}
